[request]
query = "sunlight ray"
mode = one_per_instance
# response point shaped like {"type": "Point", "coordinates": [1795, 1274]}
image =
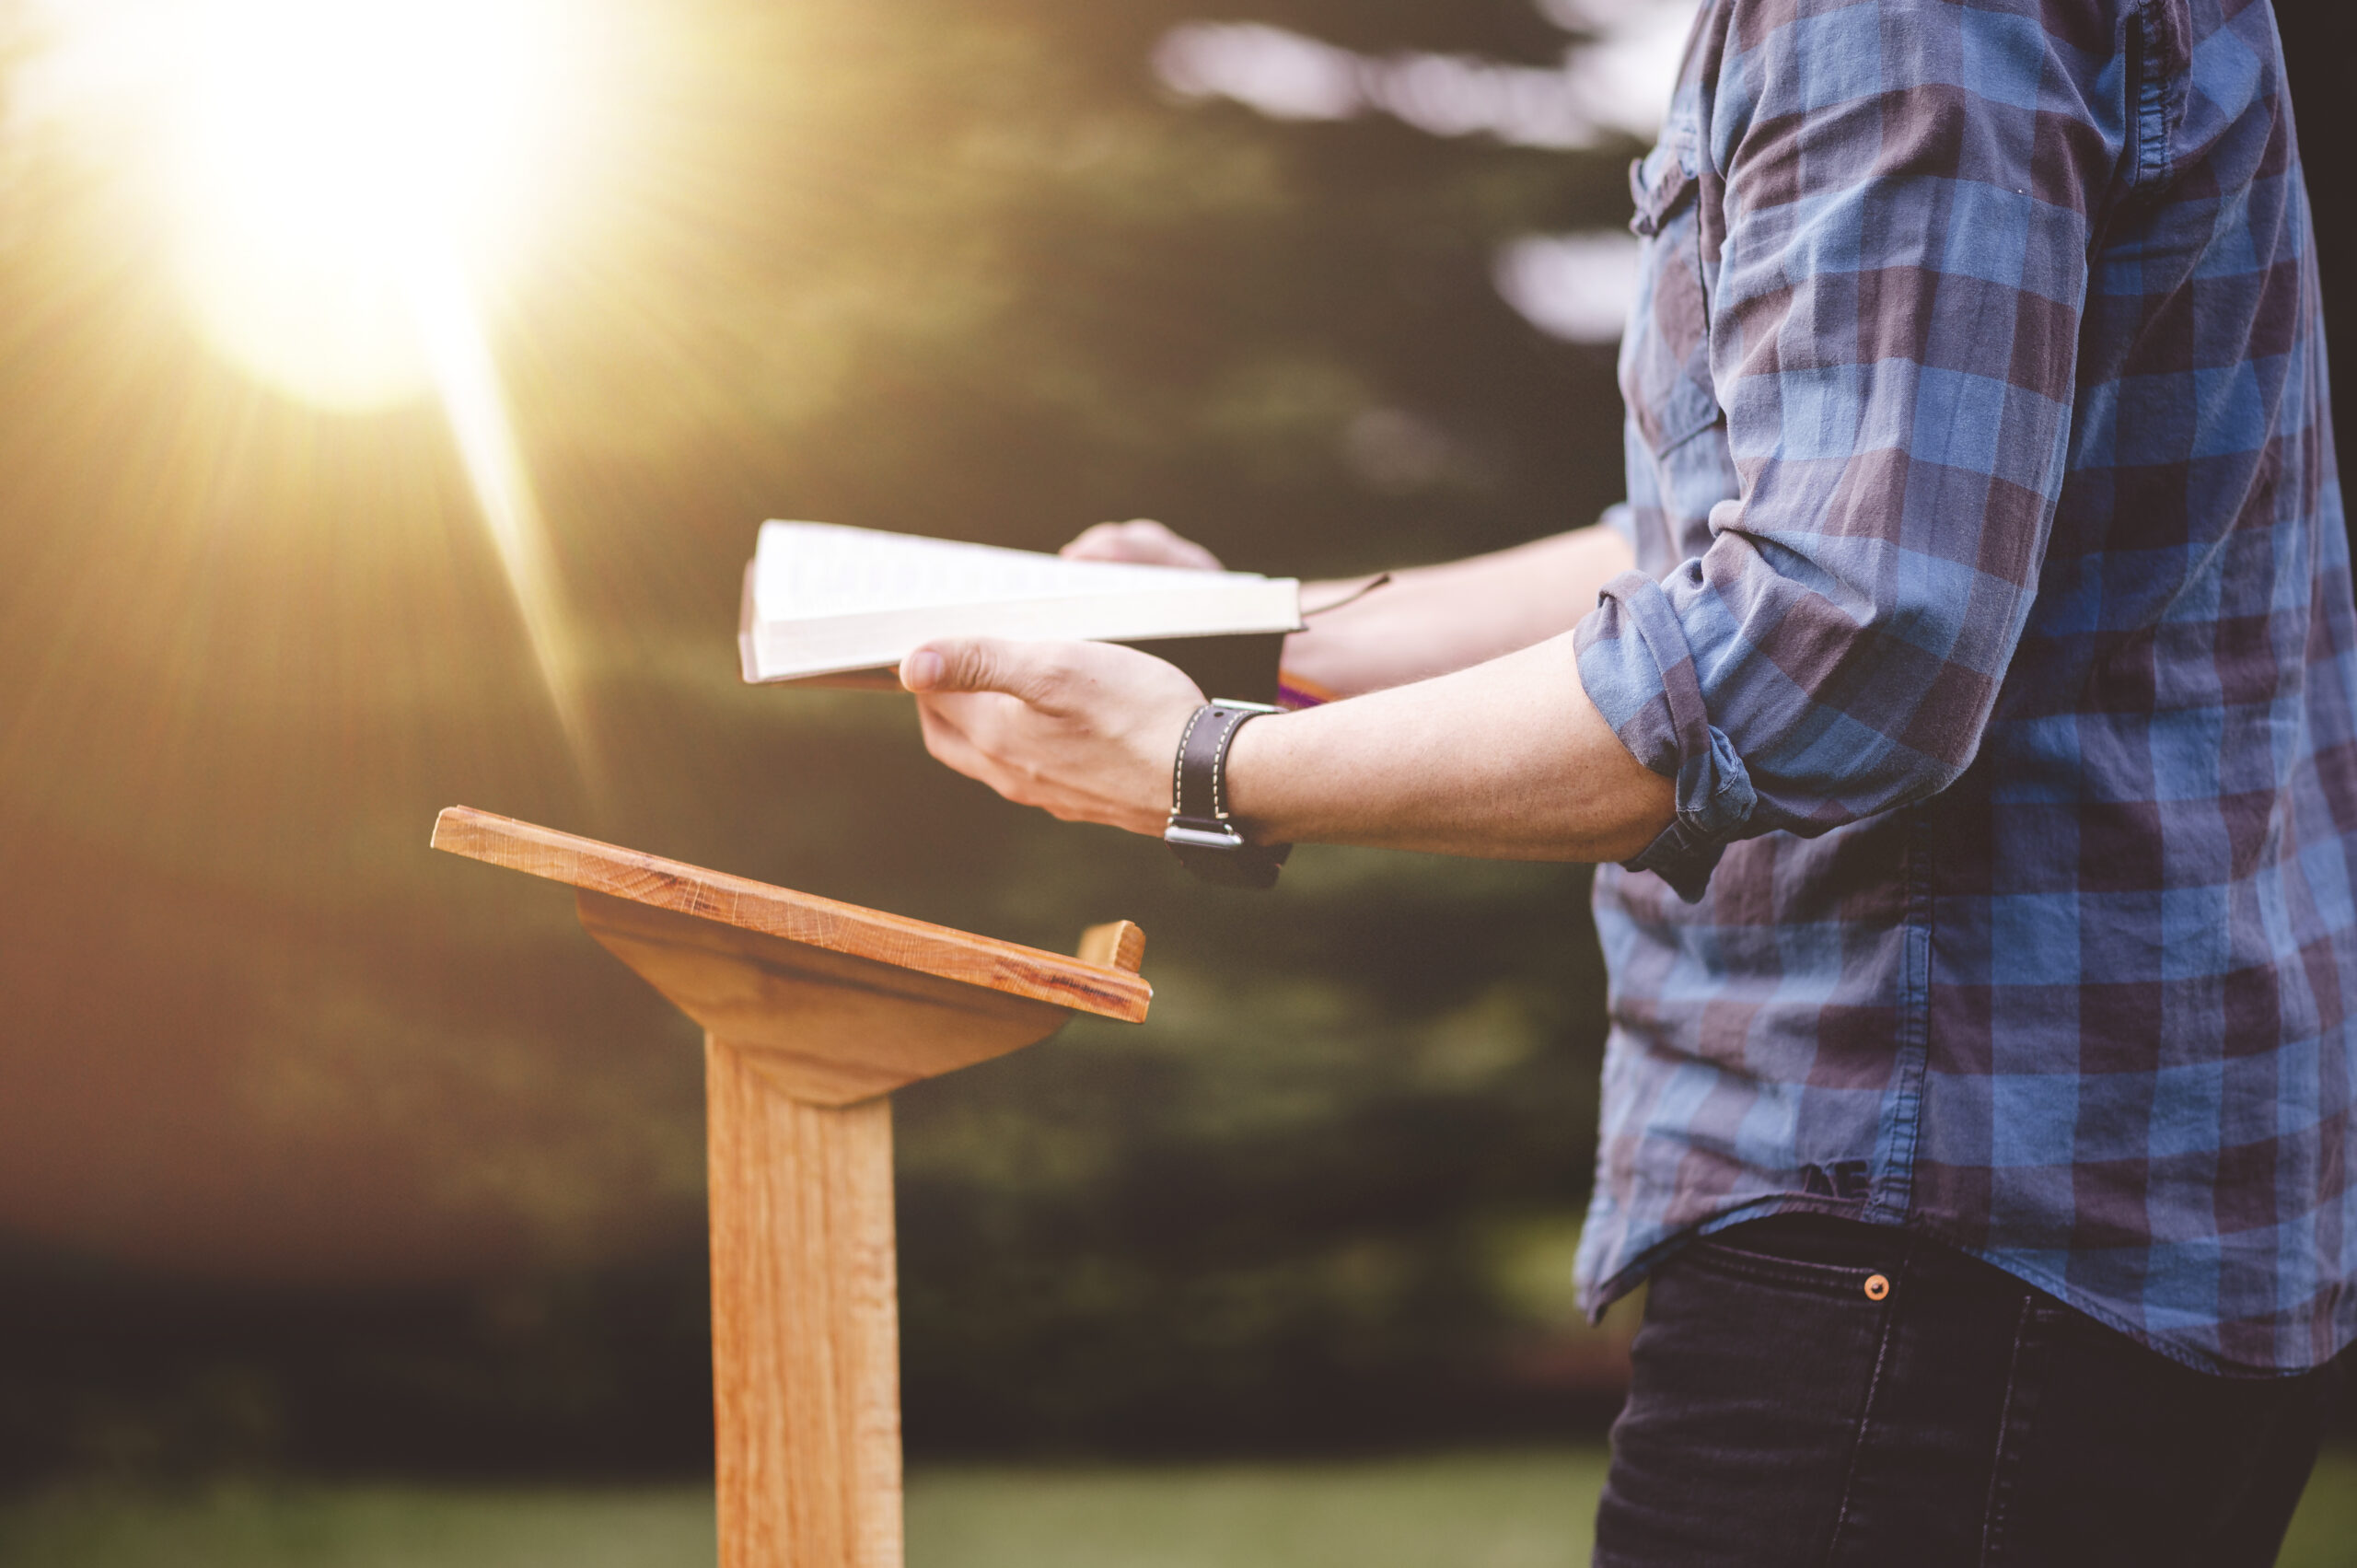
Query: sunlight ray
{"type": "Point", "coordinates": [466, 380]}
{"type": "Point", "coordinates": [343, 183]}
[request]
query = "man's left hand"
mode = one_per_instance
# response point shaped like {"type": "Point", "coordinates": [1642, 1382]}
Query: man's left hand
{"type": "Point", "coordinates": [1086, 731]}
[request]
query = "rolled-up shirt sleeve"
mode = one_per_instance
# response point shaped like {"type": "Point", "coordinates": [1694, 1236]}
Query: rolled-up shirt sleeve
{"type": "Point", "coordinates": [1898, 278]}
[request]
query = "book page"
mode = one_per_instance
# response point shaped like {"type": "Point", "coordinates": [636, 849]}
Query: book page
{"type": "Point", "coordinates": [875, 639]}
{"type": "Point", "coordinates": [807, 570]}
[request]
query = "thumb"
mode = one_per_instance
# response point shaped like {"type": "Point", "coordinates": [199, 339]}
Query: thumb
{"type": "Point", "coordinates": [976, 663]}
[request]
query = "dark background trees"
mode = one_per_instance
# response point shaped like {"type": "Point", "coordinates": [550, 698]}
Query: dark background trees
{"type": "Point", "coordinates": [316, 1149]}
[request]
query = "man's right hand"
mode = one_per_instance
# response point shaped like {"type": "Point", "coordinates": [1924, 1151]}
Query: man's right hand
{"type": "Point", "coordinates": [1141, 542]}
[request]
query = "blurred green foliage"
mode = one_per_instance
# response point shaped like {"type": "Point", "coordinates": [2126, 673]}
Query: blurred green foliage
{"type": "Point", "coordinates": [318, 1148]}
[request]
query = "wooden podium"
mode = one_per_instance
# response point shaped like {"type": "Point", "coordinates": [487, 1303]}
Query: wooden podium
{"type": "Point", "coordinates": [813, 1012]}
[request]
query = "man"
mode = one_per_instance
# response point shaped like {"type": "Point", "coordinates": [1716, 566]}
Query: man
{"type": "Point", "coordinates": [1976, 734]}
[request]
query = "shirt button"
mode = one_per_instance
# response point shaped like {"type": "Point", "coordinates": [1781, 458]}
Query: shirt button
{"type": "Point", "coordinates": [1877, 1286]}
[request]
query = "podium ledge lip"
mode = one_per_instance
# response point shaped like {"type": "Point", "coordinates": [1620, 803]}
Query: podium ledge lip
{"type": "Point", "coordinates": [727, 899]}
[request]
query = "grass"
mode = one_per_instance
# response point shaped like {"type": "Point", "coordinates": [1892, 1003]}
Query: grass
{"type": "Point", "coordinates": [1516, 1511]}
{"type": "Point", "coordinates": [1498, 1511]}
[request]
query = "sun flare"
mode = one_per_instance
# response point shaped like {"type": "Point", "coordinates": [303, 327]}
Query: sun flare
{"type": "Point", "coordinates": [332, 156]}
{"type": "Point", "coordinates": [343, 183]}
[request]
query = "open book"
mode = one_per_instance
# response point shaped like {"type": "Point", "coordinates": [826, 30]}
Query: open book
{"type": "Point", "coordinates": [823, 599]}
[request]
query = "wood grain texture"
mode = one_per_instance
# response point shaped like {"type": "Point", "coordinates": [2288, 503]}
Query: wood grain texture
{"type": "Point", "coordinates": [814, 1011]}
{"type": "Point", "coordinates": [805, 1324]}
{"type": "Point", "coordinates": [1117, 944]}
{"type": "Point", "coordinates": [824, 1027]}
{"type": "Point", "coordinates": [740, 901]}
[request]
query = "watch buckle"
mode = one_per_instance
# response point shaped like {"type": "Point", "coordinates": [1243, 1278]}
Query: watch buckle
{"type": "Point", "coordinates": [1186, 832]}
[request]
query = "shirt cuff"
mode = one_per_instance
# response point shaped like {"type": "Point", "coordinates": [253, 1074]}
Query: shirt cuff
{"type": "Point", "coordinates": [1639, 671]}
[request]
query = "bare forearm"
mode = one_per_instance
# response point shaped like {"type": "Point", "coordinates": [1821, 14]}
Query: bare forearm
{"type": "Point", "coordinates": [1431, 621]}
{"type": "Point", "coordinates": [1507, 760]}
{"type": "Point", "coordinates": [1466, 729]}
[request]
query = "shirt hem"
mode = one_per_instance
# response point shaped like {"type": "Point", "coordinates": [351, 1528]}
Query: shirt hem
{"type": "Point", "coordinates": [1631, 1275]}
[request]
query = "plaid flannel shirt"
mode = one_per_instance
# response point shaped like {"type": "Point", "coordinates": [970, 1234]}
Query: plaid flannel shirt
{"type": "Point", "coordinates": [1995, 621]}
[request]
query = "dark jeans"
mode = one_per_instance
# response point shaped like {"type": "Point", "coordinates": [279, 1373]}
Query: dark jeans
{"type": "Point", "coordinates": [1782, 1415]}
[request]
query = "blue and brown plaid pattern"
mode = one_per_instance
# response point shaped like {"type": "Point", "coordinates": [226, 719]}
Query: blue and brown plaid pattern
{"type": "Point", "coordinates": [1994, 621]}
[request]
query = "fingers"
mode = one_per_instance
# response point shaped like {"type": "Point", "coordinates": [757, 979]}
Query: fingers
{"type": "Point", "coordinates": [1141, 542]}
{"type": "Point", "coordinates": [958, 730]}
{"type": "Point", "coordinates": [1081, 730]}
{"type": "Point", "coordinates": [948, 742]}
{"type": "Point", "coordinates": [1030, 672]}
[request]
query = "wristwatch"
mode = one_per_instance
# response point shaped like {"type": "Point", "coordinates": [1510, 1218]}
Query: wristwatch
{"type": "Point", "coordinates": [1200, 833]}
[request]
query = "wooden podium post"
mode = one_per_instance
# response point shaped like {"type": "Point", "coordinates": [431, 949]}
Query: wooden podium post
{"type": "Point", "coordinates": [813, 1011]}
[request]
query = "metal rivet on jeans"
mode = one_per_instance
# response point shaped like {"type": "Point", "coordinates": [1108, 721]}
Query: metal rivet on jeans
{"type": "Point", "coordinates": [1877, 1286]}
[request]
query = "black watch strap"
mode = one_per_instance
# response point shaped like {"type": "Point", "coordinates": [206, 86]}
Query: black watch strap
{"type": "Point", "coordinates": [1200, 833]}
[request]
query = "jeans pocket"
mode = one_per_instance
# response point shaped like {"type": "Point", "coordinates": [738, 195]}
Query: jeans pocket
{"type": "Point", "coordinates": [1731, 1255]}
{"type": "Point", "coordinates": [1753, 1376]}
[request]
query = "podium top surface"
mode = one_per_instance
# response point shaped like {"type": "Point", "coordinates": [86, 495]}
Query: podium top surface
{"type": "Point", "coordinates": [797, 917]}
